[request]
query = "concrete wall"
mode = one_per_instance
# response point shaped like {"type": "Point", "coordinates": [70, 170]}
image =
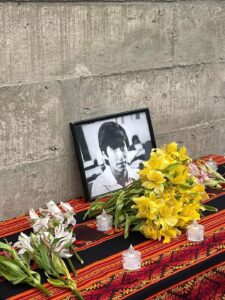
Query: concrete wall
{"type": "Point", "coordinates": [63, 62]}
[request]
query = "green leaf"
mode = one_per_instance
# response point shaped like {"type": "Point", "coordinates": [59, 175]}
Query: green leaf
{"type": "Point", "coordinates": [57, 264]}
{"type": "Point", "coordinates": [136, 191]}
{"type": "Point", "coordinates": [118, 216]}
{"type": "Point", "coordinates": [127, 225]}
{"type": "Point", "coordinates": [138, 226]}
{"type": "Point", "coordinates": [128, 222]}
{"type": "Point", "coordinates": [26, 258]}
{"type": "Point", "coordinates": [44, 258]}
{"type": "Point", "coordinates": [36, 275]}
{"type": "Point", "coordinates": [120, 199]}
{"type": "Point", "coordinates": [56, 282]}
{"type": "Point", "coordinates": [172, 166]}
{"type": "Point", "coordinates": [5, 246]}
{"type": "Point", "coordinates": [11, 271]}
{"type": "Point", "coordinates": [121, 219]}
{"type": "Point", "coordinates": [111, 209]}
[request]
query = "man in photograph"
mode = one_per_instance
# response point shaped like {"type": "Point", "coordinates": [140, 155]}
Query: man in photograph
{"type": "Point", "coordinates": [114, 144]}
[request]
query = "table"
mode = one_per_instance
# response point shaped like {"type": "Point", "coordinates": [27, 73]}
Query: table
{"type": "Point", "coordinates": [178, 270]}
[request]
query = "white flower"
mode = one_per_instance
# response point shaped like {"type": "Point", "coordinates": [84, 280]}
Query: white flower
{"type": "Point", "coordinates": [54, 211]}
{"type": "Point", "coordinates": [41, 224]}
{"type": "Point", "coordinates": [60, 233]}
{"type": "Point", "coordinates": [47, 238]}
{"type": "Point", "coordinates": [65, 253]}
{"type": "Point", "coordinates": [33, 214]}
{"type": "Point", "coordinates": [67, 207]}
{"type": "Point", "coordinates": [65, 240]}
{"type": "Point", "coordinates": [24, 243]}
{"type": "Point", "coordinates": [53, 208]}
{"type": "Point", "coordinates": [70, 220]}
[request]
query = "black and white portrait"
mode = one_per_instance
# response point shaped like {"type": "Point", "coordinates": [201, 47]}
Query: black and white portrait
{"type": "Point", "coordinates": [111, 149]}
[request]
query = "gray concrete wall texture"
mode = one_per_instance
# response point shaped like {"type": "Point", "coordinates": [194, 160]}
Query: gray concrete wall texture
{"type": "Point", "coordinates": [63, 62]}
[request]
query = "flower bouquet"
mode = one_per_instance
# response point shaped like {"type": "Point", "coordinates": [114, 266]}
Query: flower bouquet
{"type": "Point", "coordinates": [16, 269]}
{"type": "Point", "coordinates": [206, 174]}
{"type": "Point", "coordinates": [163, 202]}
{"type": "Point", "coordinates": [51, 241]}
{"type": "Point", "coordinates": [47, 250]}
{"type": "Point", "coordinates": [59, 223]}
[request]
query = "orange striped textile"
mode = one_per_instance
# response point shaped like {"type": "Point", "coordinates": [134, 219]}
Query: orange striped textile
{"type": "Point", "coordinates": [178, 270]}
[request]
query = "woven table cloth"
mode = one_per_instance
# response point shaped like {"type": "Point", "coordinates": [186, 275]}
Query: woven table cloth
{"type": "Point", "coordinates": [178, 270]}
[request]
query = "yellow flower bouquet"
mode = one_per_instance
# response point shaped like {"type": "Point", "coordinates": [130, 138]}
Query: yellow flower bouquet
{"type": "Point", "coordinates": [165, 200]}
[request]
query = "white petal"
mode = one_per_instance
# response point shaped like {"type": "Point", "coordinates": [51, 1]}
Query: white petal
{"type": "Point", "coordinates": [41, 224]}
{"type": "Point", "coordinates": [45, 221]}
{"type": "Point", "coordinates": [58, 216]}
{"type": "Point", "coordinates": [63, 242]}
{"type": "Point", "coordinates": [67, 207]}
{"type": "Point", "coordinates": [52, 207]}
{"type": "Point", "coordinates": [21, 251]}
{"type": "Point", "coordinates": [24, 242]}
{"type": "Point", "coordinates": [36, 227]}
{"type": "Point", "coordinates": [71, 220]}
{"type": "Point", "coordinates": [33, 214]}
{"type": "Point", "coordinates": [65, 253]}
{"type": "Point", "coordinates": [60, 231]}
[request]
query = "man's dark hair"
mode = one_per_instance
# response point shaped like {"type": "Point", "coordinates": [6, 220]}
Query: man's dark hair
{"type": "Point", "coordinates": [135, 139]}
{"type": "Point", "coordinates": [113, 135]}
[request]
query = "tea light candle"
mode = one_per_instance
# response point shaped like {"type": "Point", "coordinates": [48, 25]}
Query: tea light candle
{"type": "Point", "coordinates": [104, 221]}
{"type": "Point", "coordinates": [211, 163]}
{"type": "Point", "coordinates": [195, 232]}
{"type": "Point", "coordinates": [131, 259]}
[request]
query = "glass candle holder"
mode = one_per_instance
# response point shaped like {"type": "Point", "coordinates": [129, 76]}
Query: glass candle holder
{"type": "Point", "coordinates": [131, 259]}
{"type": "Point", "coordinates": [195, 232]}
{"type": "Point", "coordinates": [104, 221]}
{"type": "Point", "coordinates": [211, 163]}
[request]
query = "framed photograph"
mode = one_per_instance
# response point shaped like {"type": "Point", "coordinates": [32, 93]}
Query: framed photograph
{"type": "Point", "coordinates": [110, 150]}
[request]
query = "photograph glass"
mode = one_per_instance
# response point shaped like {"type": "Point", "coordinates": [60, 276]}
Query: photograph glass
{"type": "Point", "coordinates": [111, 150]}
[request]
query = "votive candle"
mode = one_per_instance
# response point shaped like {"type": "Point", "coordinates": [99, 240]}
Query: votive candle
{"type": "Point", "coordinates": [104, 221]}
{"type": "Point", "coordinates": [195, 232]}
{"type": "Point", "coordinates": [131, 259]}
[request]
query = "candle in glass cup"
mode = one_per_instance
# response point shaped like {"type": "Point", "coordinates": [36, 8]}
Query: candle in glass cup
{"type": "Point", "coordinates": [195, 232]}
{"type": "Point", "coordinates": [131, 259]}
{"type": "Point", "coordinates": [104, 221]}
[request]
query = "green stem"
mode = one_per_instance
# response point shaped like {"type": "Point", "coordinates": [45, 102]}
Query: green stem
{"type": "Point", "coordinates": [77, 255]}
{"type": "Point", "coordinates": [210, 208]}
{"type": "Point", "coordinates": [43, 289]}
{"type": "Point", "coordinates": [71, 266]}
{"type": "Point", "coordinates": [77, 293]}
{"type": "Point", "coordinates": [71, 284]}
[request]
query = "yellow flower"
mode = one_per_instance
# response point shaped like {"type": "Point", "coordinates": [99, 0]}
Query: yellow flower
{"type": "Point", "coordinates": [175, 153]}
{"type": "Point", "coordinates": [154, 181]}
{"type": "Point", "coordinates": [157, 161]}
{"type": "Point", "coordinates": [179, 174]}
{"type": "Point", "coordinates": [169, 194]}
{"type": "Point", "coordinates": [171, 148]}
{"type": "Point", "coordinates": [189, 213]}
{"type": "Point", "coordinates": [172, 196]}
{"type": "Point", "coordinates": [169, 233]}
{"type": "Point", "coordinates": [150, 230]}
{"type": "Point", "coordinates": [183, 155]}
{"type": "Point", "coordinates": [146, 206]}
{"type": "Point", "coordinates": [167, 216]}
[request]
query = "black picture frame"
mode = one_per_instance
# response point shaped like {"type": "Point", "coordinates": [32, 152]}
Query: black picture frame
{"type": "Point", "coordinates": [124, 159]}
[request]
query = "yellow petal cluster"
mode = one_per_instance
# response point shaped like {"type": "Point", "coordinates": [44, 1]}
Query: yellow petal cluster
{"type": "Point", "coordinates": [172, 197]}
